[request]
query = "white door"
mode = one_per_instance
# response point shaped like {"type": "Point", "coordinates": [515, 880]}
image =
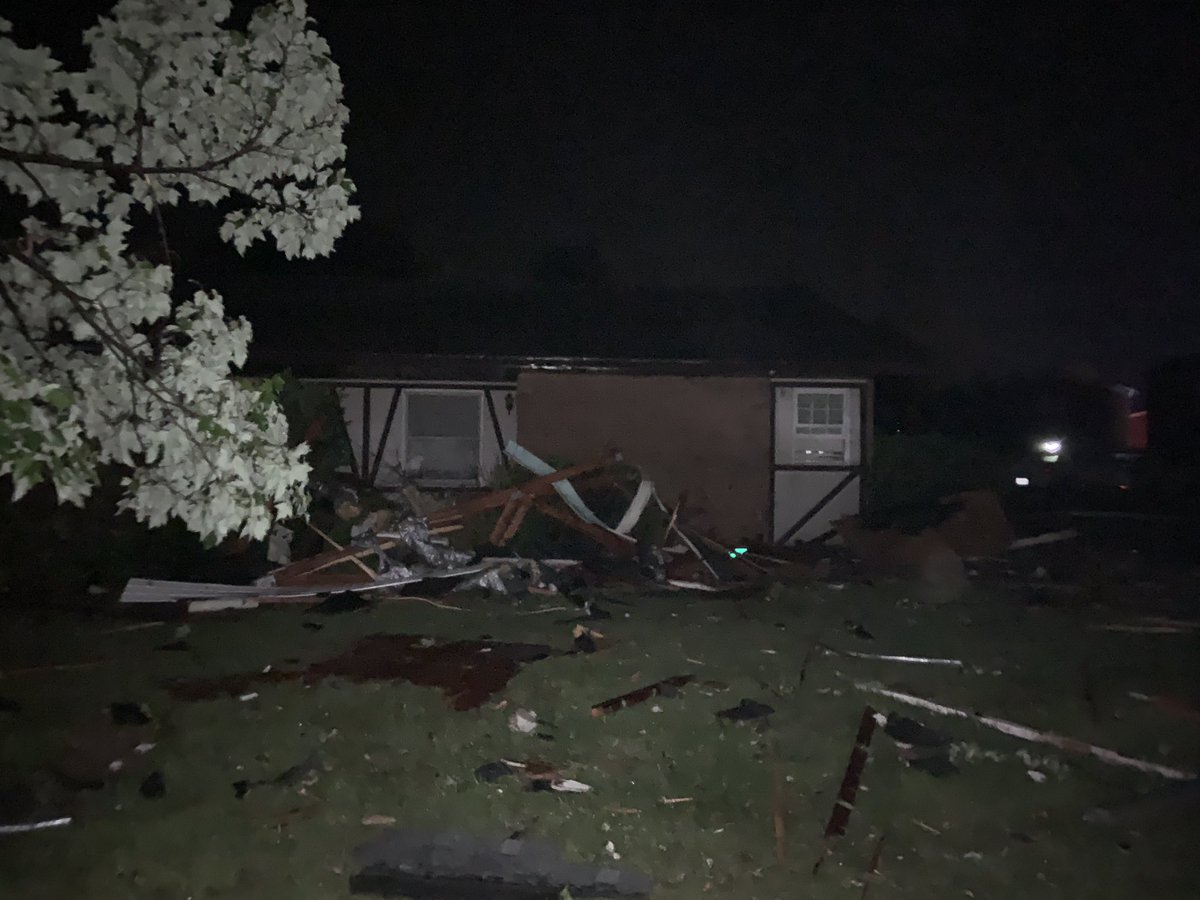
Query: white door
{"type": "Point", "coordinates": [818, 457]}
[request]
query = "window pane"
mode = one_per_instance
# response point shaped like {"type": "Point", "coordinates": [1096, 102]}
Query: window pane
{"type": "Point", "coordinates": [804, 408]}
{"type": "Point", "coordinates": [454, 459]}
{"type": "Point", "coordinates": [443, 415]}
{"type": "Point", "coordinates": [442, 439]}
{"type": "Point", "coordinates": [820, 413]}
{"type": "Point", "coordinates": [820, 427]}
{"type": "Point", "coordinates": [836, 408]}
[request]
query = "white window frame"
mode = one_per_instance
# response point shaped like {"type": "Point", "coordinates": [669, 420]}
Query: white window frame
{"type": "Point", "coordinates": [405, 395]}
{"type": "Point", "coordinates": [805, 437]}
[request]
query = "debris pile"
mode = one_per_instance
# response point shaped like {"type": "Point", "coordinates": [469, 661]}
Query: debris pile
{"type": "Point", "coordinates": [456, 546]}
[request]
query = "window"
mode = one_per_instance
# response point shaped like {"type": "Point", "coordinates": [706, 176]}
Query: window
{"type": "Point", "coordinates": [441, 439]}
{"type": "Point", "coordinates": [823, 427]}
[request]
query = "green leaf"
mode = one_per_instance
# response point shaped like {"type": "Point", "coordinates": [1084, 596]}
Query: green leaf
{"type": "Point", "coordinates": [59, 397]}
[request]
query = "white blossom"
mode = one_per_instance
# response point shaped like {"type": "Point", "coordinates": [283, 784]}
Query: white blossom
{"type": "Point", "coordinates": [102, 360]}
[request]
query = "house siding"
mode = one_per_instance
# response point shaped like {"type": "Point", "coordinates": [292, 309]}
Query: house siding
{"type": "Point", "coordinates": [708, 436]}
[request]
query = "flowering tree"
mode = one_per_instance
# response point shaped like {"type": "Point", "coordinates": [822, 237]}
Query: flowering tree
{"type": "Point", "coordinates": [103, 358]}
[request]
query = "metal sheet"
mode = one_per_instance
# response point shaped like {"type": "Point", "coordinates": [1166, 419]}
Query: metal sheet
{"type": "Point", "coordinates": [25, 827]}
{"type": "Point", "coordinates": [632, 515]}
{"type": "Point", "coordinates": [147, 590]}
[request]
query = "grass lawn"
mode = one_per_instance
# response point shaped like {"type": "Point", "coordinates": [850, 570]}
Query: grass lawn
{"type": "Point", "coordinates": [396, 749]}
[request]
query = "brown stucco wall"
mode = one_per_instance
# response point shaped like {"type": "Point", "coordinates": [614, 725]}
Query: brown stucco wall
{"type": "Point", "coordinates": [707, 435]}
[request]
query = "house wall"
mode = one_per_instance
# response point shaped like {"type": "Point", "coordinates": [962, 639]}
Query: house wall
{"type": "Point", "coordinates": [709, 436]}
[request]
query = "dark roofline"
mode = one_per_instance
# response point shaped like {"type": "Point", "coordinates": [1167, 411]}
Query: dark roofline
{"type": "Point", "coordinates": [373, 366]}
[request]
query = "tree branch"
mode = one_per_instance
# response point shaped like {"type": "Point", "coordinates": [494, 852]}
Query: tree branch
{"type": "Point", "coordinates": [121, 170]}
{"type": "Point", "coordinates": [22, 326]}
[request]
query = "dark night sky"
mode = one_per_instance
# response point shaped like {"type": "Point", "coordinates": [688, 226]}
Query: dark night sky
{"type": "Point", "coordinates": [1019, 180]}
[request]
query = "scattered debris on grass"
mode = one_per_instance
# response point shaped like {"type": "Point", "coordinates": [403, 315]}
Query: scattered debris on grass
{"type": "Point", "coordinates": [523, 721]}
{"type": "Point", "coordinates": [668, 687]}
{"type": "Point", "coordinates": [1151, 625]}
{"type": "Point", "coordinates": [889, 657]}
{"type": "Point", "coordinates": [31, 805]}
{"type": "Point", "coordinates": [569, 786]}
{"type": "Point", "coordinates": [304, 772]}
{"type": "Point", "coordinates": [586, 640]}
{"type": "Point", "coordinates": [153, 786]}
{"type": "Point", "coordinates": [856, 629]}
{"type": "Point", "coordinates": [871, 875]}
{"type": "Point", "coordinates": [453, 864]}
{"type": "Point", "coordinates": [41, 825]}
{"type": "Point", "coordinates": [1050, 537]}
{"type": "Point", "coordinates": [1071, 745]}
{"type": "Point", "coordinates": [378, 820]}
{"type": "Point", "coordinates": [97, 747]}
{"type": "Point", "coordinates": [920, 746]}
{"type": "Point", "coordinates": [746, 710]}
{"type": "Point", "coordinates": [125, 713]}
{"type": "Point", "coordinates": [494, 771]}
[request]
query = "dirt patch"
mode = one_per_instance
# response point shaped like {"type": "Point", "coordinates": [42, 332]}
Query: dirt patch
{"type": "Point", "coordinates": [468, 672]}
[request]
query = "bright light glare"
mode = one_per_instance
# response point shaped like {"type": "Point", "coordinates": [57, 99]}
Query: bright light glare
{"type": "Point", "coordinates": [1050, 446]}
{"type": "Point", "coordinates": [1021, 481]}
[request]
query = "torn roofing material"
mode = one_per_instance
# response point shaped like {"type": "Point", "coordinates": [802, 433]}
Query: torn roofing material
{"type": "Point", "coordinates": [148, 590]}
{"type": "Point", "coordinates": [404, 862]}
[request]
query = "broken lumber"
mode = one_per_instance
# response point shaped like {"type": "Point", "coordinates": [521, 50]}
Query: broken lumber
{"type": "Point", "coordinates": [1025, 733]}
{"type": "Point", "coordinates": [641, 695]}
{"type": "Point", "coordinates": [535, 487]}
{"type": "Point", "coordinates": [843, 806]}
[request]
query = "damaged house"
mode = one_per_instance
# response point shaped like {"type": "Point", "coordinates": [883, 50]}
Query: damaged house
{"type": "Point", "coordinates": [765, 446]}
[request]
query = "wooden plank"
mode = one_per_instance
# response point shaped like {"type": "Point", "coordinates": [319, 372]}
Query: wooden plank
{"type": "Point", "coordinates": [535, 487]}
{"type": "Point", "coordinates": [294, 574]}
{"type": "Point", "coordinates": [518, 517]}
{"type": "Point", "coordinates": [501, 526]}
